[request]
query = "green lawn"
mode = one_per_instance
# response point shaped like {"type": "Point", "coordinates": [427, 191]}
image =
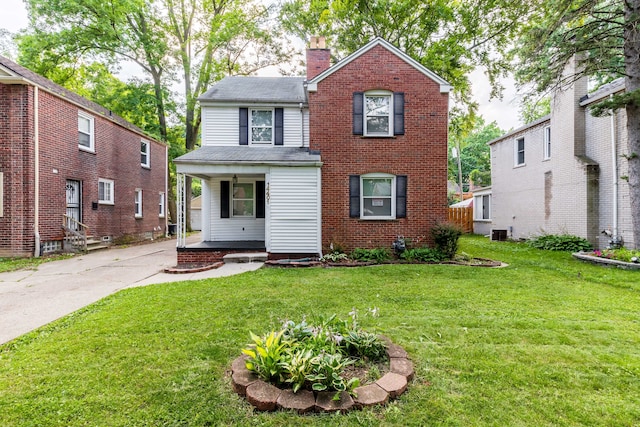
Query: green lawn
{"type": "Point", "coordinates": [545, 341]}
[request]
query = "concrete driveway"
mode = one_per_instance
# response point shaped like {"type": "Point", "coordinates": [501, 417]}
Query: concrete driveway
{"type": "Point", "coordinates": [32, 298]}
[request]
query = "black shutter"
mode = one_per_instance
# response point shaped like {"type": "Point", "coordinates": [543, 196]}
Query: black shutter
{"type": "Point", "coordinates": [358, 112]}
{"type": "Point", "coordinates": [279, 133]}
{"type": "Point", "coordinates": [398, 113]}
{"type": "Point", "coordinates": [259, 199]}
{"type": "Point", "coordinates": [401, 196]}
{"type": "Point", "coordinates": [244, 126]}
{"type": "Point", "coordinates": [224, 199]}
{"type": "Point", "coordinates": [354, 196]}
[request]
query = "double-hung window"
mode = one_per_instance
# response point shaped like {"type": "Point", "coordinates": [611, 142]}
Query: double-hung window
{"type": "Point", "coordinates": [243, 200]}
{"type": "Point", "coordinates": [378, 119]}
{"type": "Point", "coordinates": [85, 132]}
{"type": "Point", "coordinates": [518, 151]}
{"type": "Point", "coordinates": [378, 196]}
{"type": "Point", "coordinates": [547, 142]}
{"type": "Point", "coordinates": [261, 131]}
{"type": "Point", "coordinates": [105, 191]}
{"type": "Point", "coordinates": [161, 206]}
{"type": "Point", "coordinates": [138, 203]}
{"type": "Point", "coordinates": [145, 160]}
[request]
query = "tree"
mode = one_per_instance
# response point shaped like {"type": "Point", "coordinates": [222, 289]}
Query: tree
{"type": "Point", "coordinates": [534, 108]}
{"type": "Point", "coordinates": [450, 38]}
{"type": "Point", "coordinates": [604, 37]}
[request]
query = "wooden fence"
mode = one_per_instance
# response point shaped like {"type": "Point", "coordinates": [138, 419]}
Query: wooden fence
{"type": "Point", "coordinates": [462, 217]}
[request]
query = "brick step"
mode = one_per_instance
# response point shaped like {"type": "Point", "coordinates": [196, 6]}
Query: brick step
{"type": "Point", "coordinates": [245, 257]}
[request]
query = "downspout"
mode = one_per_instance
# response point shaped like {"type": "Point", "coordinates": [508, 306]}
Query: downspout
{"type": "Point", "coordinates": [166, 191]}
{"type": "Point", "coordinates": [36, 184]}
{"type": "Point", "coordinates": [302, 121]}
{"type": "Point", "coordinates": [614, 163]}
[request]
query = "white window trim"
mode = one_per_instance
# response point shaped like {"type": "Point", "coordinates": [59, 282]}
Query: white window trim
{"type": "Point", "coordinates": [111, 199]}
{"type": "Point", "coordinates": [516, 151]}
{"type": "Point", "coordinates": [478, 207]}
{"type": "Point", "coordinates": [547, 142]}
{"type": "Point", "coordinates": [273, 126]}
{"type": "Point", "coordinates": [161, 206]}
{"type": "Point", "coordinates": [138, 203]}
{"type": "Point", "coordinates": [232, 199]}
{"type": "Point", "coordinates": [147, 153]}
{"type": "Point", "coordinates": [91, 148]}
{"type": "Point", "coordinates": [393, 195]}
{"type": "Point", "coordinates": [386, 93]}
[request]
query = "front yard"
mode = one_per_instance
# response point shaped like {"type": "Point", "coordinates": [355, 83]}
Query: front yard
{"type": "Point", "coordinates": [548, 340]}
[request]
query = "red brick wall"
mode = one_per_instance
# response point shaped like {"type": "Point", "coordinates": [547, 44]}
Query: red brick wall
{"type": "Point", "coordinates": [116, 157]}
{"type": "Point", "coordinates": [421, 153]}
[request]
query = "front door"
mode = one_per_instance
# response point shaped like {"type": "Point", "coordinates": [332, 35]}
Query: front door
{"type": "Point", "coordinates": [74, 203]}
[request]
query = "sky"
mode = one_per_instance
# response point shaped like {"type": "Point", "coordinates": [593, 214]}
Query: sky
{"type": "Point", "coordinates": [13, 17]}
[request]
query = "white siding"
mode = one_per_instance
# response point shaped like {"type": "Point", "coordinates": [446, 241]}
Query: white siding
{"type": "Point", "coordinates": [220, 126]}
{"type": "Point", "coordinates": [223, 229]}
{"type": "Point", "coordinates": [294, 210]}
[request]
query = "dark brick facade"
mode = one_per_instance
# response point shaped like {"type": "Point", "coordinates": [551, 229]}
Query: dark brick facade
{"type": "Point", "coordinates": [421, 153]}
{"type": "Point", "coordinates": [116, 157]}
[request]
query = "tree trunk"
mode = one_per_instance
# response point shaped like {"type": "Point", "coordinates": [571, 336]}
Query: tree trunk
{"type": "Point", "coordinates": [632, 86]}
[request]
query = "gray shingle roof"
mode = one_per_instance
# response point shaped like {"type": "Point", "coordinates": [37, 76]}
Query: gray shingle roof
{"type": "Point", "coordinates": [257, 89]}
{"type": "Point", "coordinates": [250, 155]}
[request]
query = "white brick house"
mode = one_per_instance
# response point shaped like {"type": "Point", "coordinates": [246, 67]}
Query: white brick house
{"type": "Point", "coordinates": [564, 173]}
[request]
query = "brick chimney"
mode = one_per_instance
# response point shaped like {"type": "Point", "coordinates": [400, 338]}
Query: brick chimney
{"type": "Point", "coordinates": [318, 57]}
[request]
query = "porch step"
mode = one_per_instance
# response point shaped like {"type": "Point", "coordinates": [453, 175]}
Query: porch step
{"type": "Point", "coordinates": [245, 257]}
{"type": "Point", "coordinates": [95, 245]}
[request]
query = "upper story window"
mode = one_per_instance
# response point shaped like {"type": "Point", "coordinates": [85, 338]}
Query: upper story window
{"type": "Point", "coordinates": [378, 113]}
{"type": "Point", "coordinates": [85, 132]}
{"type": "Point", "coordinates": [138, 203]}
{"type": "Point", "coordinates": [518, 151]}
{"type": "Point", "coordinates": [105, 191]}
{"type": "Point", "coordinates": [547, 142]}
{"type": "Point", "coordinates": [145, 155]}
{"type": "Point", "coordinates": [261, 131]}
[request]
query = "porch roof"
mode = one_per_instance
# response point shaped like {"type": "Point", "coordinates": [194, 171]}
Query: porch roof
{"type": "Point", "coordinates": [247, 155]}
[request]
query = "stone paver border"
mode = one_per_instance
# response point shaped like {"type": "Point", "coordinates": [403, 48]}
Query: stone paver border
{"type": "Point", "coordinates": [266, 397]}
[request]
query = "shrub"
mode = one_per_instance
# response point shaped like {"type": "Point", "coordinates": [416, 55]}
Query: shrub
{"type": "Point", "coordinates": [445, 237]}
{"type": "Point", "coordinates": [560, 242]}
{"type": "Point", "coordinates": [334, 257]}
{"type": "Point", "coordinates": [423, 255]}
{"type": "Point", "coordinates": [367, 255]}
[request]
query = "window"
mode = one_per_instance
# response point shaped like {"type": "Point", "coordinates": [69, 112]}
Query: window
{"type": "Point", "coordinates": [243, 199]}
{"type": "Point", "coordinates": [482, 207]}
{"type": "Point", "coordinates": [144, 153]}
{"type": "Point", "coordinates": [377, 196]}
{"type": "Point", "coordinates": [161, 206]}
{"type": "Point", "coordinates": [261, 127]}
{"type": "Point", "coordinates": [547, 142]}
{"type": "Point", "coordinates": [138, 203]}
{"type": "Point", "coordinates": [85, 132]}
{"type": "Point", "coordinates": [378, 113]}
{"type": "Point", "coordinates": [105, 191]}
{"type": "Point", "coordinates": [519, 152]}
{"type": "Point", "coordinates": [377, 109]}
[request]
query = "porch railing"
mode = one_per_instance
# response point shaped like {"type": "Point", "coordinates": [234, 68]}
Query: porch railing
{"type": "Point", "coordinates": [75, 233]}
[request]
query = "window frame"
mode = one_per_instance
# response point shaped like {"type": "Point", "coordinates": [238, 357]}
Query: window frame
{"type": "Point", "coordinates": [161, 205]}
{"type": "Point", "coordinates": [480, 207]}
{"type": "Point", "coordinates": [137, 211]}
{"type": "Point", "coordinates": [547, 142]}
{"type": "Point", "coordinates": [233, 199]}
{"type": "Point", "coordinates": [517, 151]}
{"type": "Point", "coordinates": [145, 153]}
{"type": "Point", "coordinates": [91, 120]}
{"type": "Point", "coordinates": [392, 196]}
{"type": "Point", "coordinates": [111, 200]}
{"type": "Point", "coordinates": [390, 114]}
{"type": "Point", "coordinates": [251, 126]}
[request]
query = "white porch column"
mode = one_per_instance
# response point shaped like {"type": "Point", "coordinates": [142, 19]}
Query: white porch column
{"type": "Point", "coordinates": [181, 226]}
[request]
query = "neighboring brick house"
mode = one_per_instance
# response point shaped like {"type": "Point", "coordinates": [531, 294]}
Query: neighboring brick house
{"type": "Point", "coordinates": [66, 161]}
{"type": "Point", "coordinates": [564, 172]}
{"type": "Point", "coordinates": [354, 155]}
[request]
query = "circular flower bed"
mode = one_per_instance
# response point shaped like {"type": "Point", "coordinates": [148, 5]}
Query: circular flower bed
{"type": "Point", "coordinates": [330, 366]}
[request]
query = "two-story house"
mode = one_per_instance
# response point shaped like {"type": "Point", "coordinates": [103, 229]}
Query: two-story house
{"type": "Point", "coordinates": [353, 155]}
{"type": "Point", "coordinates": [70, 169]}
{"type": "Point", "coordinates": [564, 173]}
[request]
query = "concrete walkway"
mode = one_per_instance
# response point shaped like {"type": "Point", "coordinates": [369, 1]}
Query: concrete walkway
{"type": "Point", "coordinates": [32, 298]}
